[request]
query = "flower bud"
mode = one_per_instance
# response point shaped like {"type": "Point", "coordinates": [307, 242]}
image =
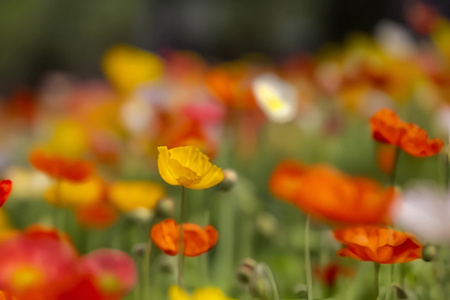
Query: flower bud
{"type": "Point", "coordinates": [229, 181]}
{"type": "Point", "coordinates": [301, 291]}
{"type": "Point", "coordinates": [245, 272]}
{"type": "Point", "coordinates": [429, 252]}
{"type": "Point", "coordinates": [167, 264]}
{"type": "Point", "coordinates": [141, 215]}
{"type": "Point", "coordinates": [165, 208]}
{"type": "Point", "coordinates": [139, 249]}
{"type": "Point", "coordinates": [267, 225]}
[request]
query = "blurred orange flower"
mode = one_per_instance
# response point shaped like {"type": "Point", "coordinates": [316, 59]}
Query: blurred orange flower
{"type": "Point", "coordinates": [385, 156]}
{"type": "Point", "coordinates": [388, 128]}
{"type": "Point", "coordinates": [380, 245]}
{"type": "Point", "coordinates": [5, 190]}
{"type": "Point", "coordinates": [196, 240]}
{"type": "Point", "coordinates": [231, 84]}
{"type": "Point", "coordinates": [6, 296]}
{"type": "Point", "coordinates": [60, 167]}
{"type": "Point", "coordinates": [327, 194]}
{"type": "Point", "coordinates": [97, 215]}
{"type": "Point", "coordinates": [283, 182]}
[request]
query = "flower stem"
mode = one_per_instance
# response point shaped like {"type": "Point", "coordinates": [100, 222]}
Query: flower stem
{"type": "Point", "coordinates": [308, 260]}
{"type": "Point", "coordinates": [272, 282]}
{"type": "Point", "coordinates": [180, 254]}
{"type": "Point", "coordinates": [146, 271]}
{"type": "Point", "coordinates": [377, 282]}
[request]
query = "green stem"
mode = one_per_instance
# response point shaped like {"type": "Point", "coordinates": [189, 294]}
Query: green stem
{"type": "Point", "coordinates": [59, 217]}
{"type": "Point", "coordinates": [146, 271]}
{"type": "Point", "coordinates": [377, 282]}
{"type": "Point", "coordinates": [180, 254]}
{"type": "Point", "coordinates": [308, 260]}
{"type": "Point", "coordinates": [272, 282]}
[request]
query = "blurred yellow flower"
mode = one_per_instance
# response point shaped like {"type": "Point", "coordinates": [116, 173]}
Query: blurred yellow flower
{"type": "Point", "coordinates": [131, 195]}
{"type": "Point", "coordinates": [126, 67]}
{"type": "Point", "coordinates": [69, 140]}
{"type": "Point", "coordinates": [75, 194]}
{"type": "Point", "coordinates": [208, 293]}
{"type": "Point", "coordinates": [189, 167]}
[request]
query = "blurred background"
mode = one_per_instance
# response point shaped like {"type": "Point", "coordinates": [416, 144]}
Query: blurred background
{"type": "Point", "coordinates": [71, 36]}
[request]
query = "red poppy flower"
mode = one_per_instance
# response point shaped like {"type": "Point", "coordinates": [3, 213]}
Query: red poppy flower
{"type": "Point", "coordinates": [5, 190]}
{"type": "Point", "coordinates": [61, 167]}
{"type": "Point", "coordinates": [196, 240]}
{"type": "Point", "coordinates": [113, 271]}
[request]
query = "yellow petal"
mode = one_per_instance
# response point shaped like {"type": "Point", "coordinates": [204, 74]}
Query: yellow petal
{"type": "Point", "coordinates": [175, 293]}
{"type": "Point", "coordinates": [209, 293]}
{"type": "Point", "coordinates": [165, 168]}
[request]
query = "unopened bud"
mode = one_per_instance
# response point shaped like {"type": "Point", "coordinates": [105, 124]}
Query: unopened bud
{"type": "Point", "coordinates": [141, 214]}
{"type": "Point", "coordinates": [301, 291]}
{"type": "Point", "coordinates": [139, 249]}
{"type": "Point", "coordinates": [260, 288]}
{"type": "Point", "coordinates": [229, 181]}
{"type": "Point", "coordinates": [245, 272]}
{"type": "Point", "coordinates": [167, 264]}
{"type": "Point", "coordinates": [165, 207]}
{"type": "Point", "coordinates": [267, 225]}
{"type": "Point", "coordinates": [429, 252]}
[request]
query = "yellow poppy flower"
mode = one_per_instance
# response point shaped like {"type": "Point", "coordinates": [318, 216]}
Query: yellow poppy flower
{"type": "Point", "coordinates": [75, 194]}
{"type": "Point", "coordinates": [189, 167]}
{"type": "Point", "coordinates": [127, 66]}
{"type": "Point", "coordinates": [208, 293]}
{"type": "Point", "coordinates": [131, 195]}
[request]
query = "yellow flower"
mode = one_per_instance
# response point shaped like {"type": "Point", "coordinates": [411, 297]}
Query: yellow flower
{"type": "Point", "coordinates": [189, 167]}
{"type": "Point", "coordinates": [75, 194]}
{"type": "Point", "coordinates": [131, 195]}
{"type": "Point", "coordinates": [208, 293]}
{"type": "Point", "coordinates": [127, 66]}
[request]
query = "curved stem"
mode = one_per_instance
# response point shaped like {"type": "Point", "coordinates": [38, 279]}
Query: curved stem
{"type": "Point", "coordinates": [272, 282]}
{"type": "Point", "coordinates": [180, 253]}
{"type": "Point", "coordinates": [308, 260]}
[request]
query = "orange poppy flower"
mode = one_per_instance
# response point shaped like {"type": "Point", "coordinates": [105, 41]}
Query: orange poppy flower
{"type": "Point", "coordinates": [97, 215]}
{"type": "Point", "coordinates": [380, 245]}
{"type": "Point", "coordinates": [60, 167]}
{"type": "Point", "coordinates": [5, 190]}
{"type": "Point", "coordinates": [388, 128]}
{"type": "Point", "coordinates": [329, 195]}
{"type": "Point", "coordinates": [196, 240]}
{"type": "Point", "coordinates": [231, 84]}
{"type": "Point", "coordinates": [283, 182]}
{"type": "Point", "coordinates": [385, 156]}
{"type": "Point", "coordinates": [6, 296]}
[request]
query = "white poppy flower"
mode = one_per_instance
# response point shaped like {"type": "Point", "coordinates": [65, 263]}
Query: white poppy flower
{"type": "Point", "coordinates": [276, 98]}
{"type": "Point", "coordinates": [424, 210]}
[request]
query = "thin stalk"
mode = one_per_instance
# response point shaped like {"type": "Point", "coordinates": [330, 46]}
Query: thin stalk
{"type": "Point", "coordinates": [59, 218]}
{"type": "Point", "coordinates": [272, 282]}
{"type": "Point", "coordinates": [180, 253]}
{"type": "Point", "coordinates": [376, 281]}
{"type": "Point", "coordinates": [146, 271]}
{"type": "Point", "coordinates": [308, 260]}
